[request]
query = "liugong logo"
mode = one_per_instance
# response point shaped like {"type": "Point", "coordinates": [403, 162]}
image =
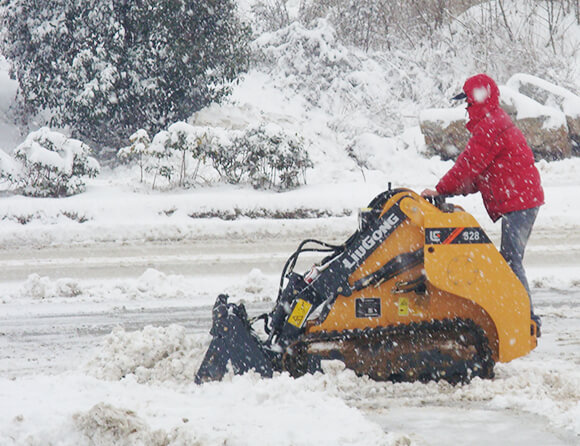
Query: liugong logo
{"type": "Point", "coordinates": [370, 241]}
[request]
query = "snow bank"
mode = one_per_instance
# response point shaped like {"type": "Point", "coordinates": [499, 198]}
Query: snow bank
{"type": "Point", "coordinates": [170, 356]}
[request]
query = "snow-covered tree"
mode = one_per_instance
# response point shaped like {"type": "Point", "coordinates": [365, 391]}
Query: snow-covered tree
{"type": "Point", "coordinates": [107, 68]}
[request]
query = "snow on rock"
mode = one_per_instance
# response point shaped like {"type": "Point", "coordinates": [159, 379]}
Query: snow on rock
{"type": "Point", "coordinates": [546, 128]}
{"type": "Point", "coordinates": [546, 93]}
{"type": "Point", "coordinates": [443, 116]}
{"type": "Point", "coordinates": [444, 131]}
{"type": "Point", "coordinates": [526, 107]}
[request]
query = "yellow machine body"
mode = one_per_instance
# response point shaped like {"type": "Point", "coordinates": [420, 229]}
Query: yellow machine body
{"type": "Point", "coordinates": [464, 276]}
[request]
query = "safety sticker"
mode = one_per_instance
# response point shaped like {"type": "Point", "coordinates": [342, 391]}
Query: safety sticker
{"type": "Point", "coordinates": [403, 306]}
{"type": "Point", "coordinates": [299, 313]}
{"type": "Point", "coordinates": [448, 236]}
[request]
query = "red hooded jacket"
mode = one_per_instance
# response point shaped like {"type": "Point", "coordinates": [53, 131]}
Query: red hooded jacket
{"type": "Point", "coordinates": [497, 160]}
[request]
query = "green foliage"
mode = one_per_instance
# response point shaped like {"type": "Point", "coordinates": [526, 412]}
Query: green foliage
{"type": "Point", "coordinates": [109, 67]}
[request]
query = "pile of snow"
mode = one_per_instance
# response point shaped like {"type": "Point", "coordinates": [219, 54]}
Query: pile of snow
{"type": "Point", "coordinates": [185, 414]}
{"type": "Point", "coordinates": [153, 354]}
{"type": "Point", "coordinates": [37, 287]}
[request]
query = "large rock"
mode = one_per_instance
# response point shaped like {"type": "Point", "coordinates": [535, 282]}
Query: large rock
{"type": "Point", "coordinates": [554, 96]}
{"type": "Point", "coordinates": [444, 131]}
{"type": "Point", "coordinates": [545, 128]}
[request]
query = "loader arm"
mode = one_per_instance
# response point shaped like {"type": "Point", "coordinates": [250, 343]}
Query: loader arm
{"type": "Point", "coordinates": [333, 281]}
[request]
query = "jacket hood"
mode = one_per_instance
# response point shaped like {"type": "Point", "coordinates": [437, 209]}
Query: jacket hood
{"type": "Point", "coordinates": [482, 96]}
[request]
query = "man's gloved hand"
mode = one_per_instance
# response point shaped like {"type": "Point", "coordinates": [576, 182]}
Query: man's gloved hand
{"type": "Point", "coordinates": [429, 193]}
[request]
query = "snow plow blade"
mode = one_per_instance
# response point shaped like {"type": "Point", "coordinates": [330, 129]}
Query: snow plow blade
{"type": "Point", "coordinates": [233, 345]}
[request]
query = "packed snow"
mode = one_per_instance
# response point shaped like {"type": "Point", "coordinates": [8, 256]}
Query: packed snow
{"type": "Point", "coordinates": [106, 295]}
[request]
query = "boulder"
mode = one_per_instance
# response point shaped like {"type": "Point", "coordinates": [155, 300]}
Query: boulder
{"type": "Point", "coordinates": [444, 131]}
{"type": "Point", "coordinates": [553, 96]}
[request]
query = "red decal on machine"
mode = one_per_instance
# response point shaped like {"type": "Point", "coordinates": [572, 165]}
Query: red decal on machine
{"type": "Point", "coordinates": [452, 236]}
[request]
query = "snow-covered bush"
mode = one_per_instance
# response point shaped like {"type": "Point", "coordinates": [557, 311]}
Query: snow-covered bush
{"type": "Point", "coordinates": [137, 151]}
{"type": "Point", "coordinates": [187, 143]}
{"type": "Point", "coordinates": [264, 156]}
{"type": "Point", "coordinates": [361, 92]}
{"type": "Point", "coordinates": [382, 24]}
{"type": "Point", "coordinates": [363, 23]}
{"type": "Point", "coordinates": [49, 164]}
{"type": "Point", "coordinates": [175, 154]}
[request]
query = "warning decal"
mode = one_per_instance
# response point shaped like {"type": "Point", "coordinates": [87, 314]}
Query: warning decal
{"type": "Point", "coordinates": [299, 313]}
{"type": "Point", "coordinates": [403, 306]}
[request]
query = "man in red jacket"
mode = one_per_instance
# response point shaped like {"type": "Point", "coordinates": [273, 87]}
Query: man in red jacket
{"type": "Point", "coordinates": [497, 162]}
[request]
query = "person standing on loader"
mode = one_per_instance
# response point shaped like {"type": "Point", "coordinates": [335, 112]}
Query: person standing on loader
{"type": "Point", "coordinates": [497, 162]}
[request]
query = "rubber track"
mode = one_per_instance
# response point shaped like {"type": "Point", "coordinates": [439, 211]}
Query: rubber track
{"type": "Point", "coordinates": [455, 350]}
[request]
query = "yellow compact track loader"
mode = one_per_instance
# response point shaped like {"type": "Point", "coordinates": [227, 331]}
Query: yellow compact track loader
{"type": "Point", "coordinates": [417, 293]}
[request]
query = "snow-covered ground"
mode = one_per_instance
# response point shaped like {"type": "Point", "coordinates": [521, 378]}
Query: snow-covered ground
{"type": "Point", "coordinates": [105, 297]}
{"type": "Point", "coordinates": [100, 344]}
{"type": "Point", "coordinates": [104, 323]}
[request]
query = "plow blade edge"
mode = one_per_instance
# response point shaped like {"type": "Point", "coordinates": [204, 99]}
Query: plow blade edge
{"type": "Point", "coordinates": [233, 343]}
